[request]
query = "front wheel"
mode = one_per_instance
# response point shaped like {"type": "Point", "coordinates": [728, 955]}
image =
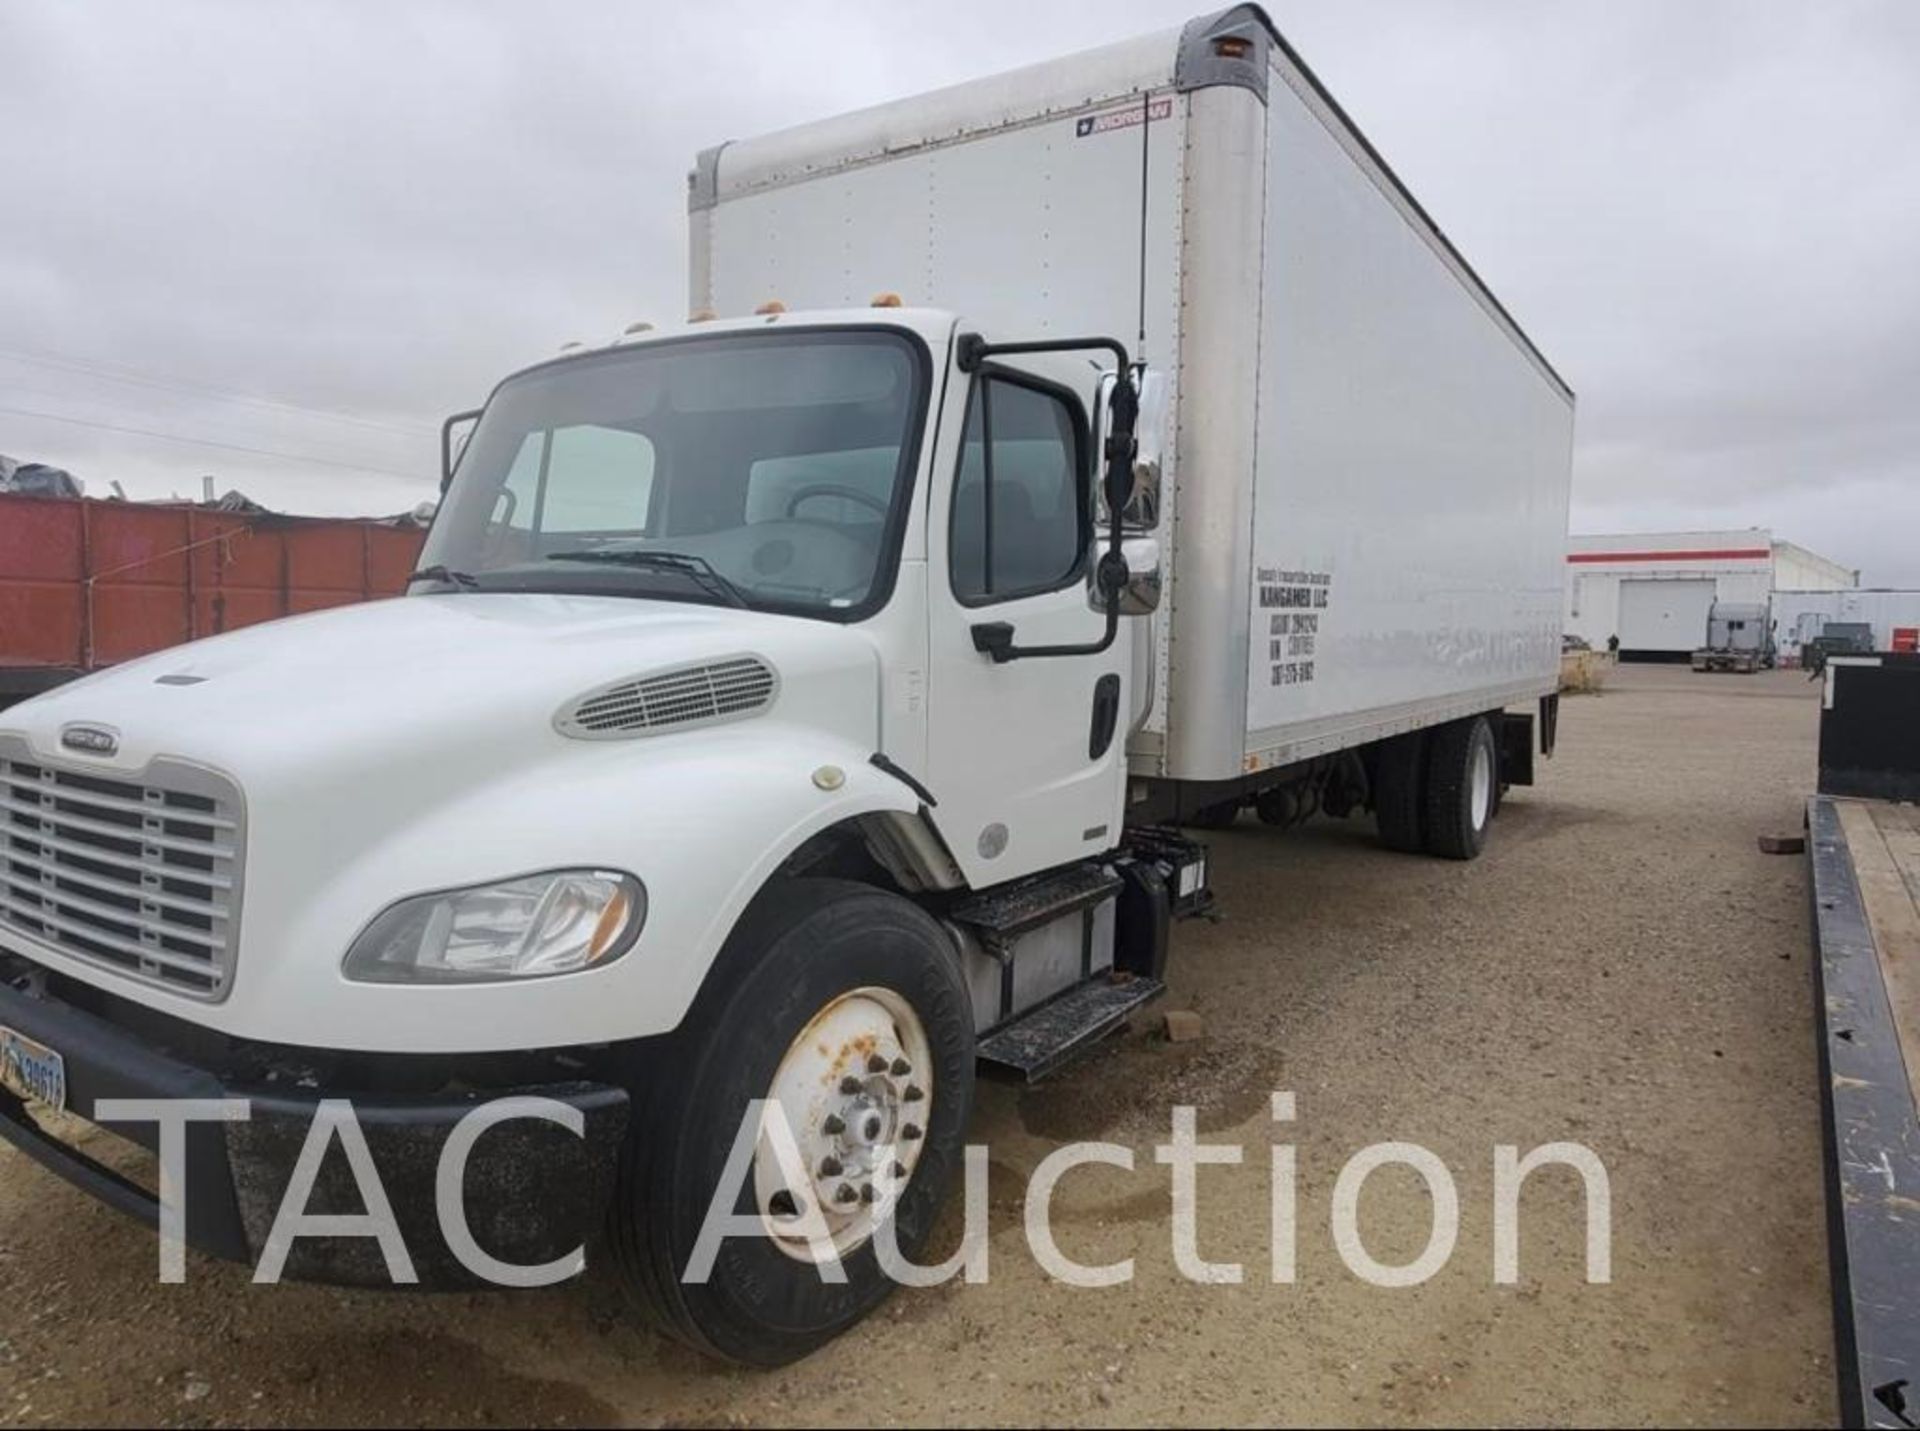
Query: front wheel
{"type": "Point", "coordinates": [843, 1007]}
{"type": "Point", "coordinates": [1463, 787]}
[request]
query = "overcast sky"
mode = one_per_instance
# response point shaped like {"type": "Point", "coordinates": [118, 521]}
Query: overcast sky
{"type": "Point", "coordinates": [299, 234]}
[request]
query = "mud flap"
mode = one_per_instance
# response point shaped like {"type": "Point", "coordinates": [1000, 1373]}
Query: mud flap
{"type": "Point", "coordinates": [1516, 748]}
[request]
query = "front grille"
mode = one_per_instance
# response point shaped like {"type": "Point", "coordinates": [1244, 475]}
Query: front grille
{"type": "Point", "coordinates": [140, 876]}
{"type": "Point", "coordinates": [712, 691]}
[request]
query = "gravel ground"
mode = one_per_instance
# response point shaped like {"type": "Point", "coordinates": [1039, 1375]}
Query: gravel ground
{"type": "Point", "coordinates": [1624, 969]}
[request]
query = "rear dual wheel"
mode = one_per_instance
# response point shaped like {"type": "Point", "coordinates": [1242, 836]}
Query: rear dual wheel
{"type": "Point", "coordinates": [1462, 788]}
{"type": "Point", "coordinates": [1437, 790]}
{"type": "Point", "coordinates": [1399, 778]}
{"type": "Point", "coordinates": [1212, 817]}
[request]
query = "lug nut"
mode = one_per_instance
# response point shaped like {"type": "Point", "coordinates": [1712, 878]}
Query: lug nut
{"type": "Point", "coordinates": [913, 1094]}
{"type": "Point", "coordinates": [782, 1204]}
{"type": "Point", "coordinates": [849, 1084]}
{"type": "Point", "coordinates": [866, 1193]}
{"type": "Point", "coordinates": [898, 1170]}
{"type": "Point", "coordinates": [833, 1127]}
{"type": "Point", "coordinates": [876, 1064]}
{"type": "Point", "coordinates": [830, 1168]}
{"type": "Point", "coordinates": [845, 1194]}
{"type": "Point", "coordinates": [911, 1132]}
{"type": "Point", "coordinates": [901, 1068]}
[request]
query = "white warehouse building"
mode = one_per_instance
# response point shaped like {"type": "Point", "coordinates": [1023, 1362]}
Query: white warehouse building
{"type": "Point", "coordinates": [1654, 590]}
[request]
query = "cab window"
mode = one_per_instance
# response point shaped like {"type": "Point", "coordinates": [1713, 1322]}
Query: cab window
{"type": "Point", "coordinates": [1021, 514]}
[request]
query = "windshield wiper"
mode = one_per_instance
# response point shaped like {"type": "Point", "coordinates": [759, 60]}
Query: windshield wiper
{"type": "Point", "coordinates": [697, 569]}
{"type": "Point", "coordinates": [444, 573]}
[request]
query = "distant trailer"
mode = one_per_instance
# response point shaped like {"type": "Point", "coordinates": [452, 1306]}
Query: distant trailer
{"type": "Point", "coordinates": [1801, 616]}
{"type": "Point", "coordinates": [1864, 847]}
{"type": "Point", "coordinates": [86, 584]}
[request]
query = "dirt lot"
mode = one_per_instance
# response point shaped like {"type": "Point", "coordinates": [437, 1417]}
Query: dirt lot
{"type": "Point", "coordinates": [1624, 970]}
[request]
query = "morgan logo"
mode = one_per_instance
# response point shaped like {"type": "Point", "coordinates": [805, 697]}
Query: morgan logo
{"type": "Point", "coordinates": [93, 739]}
{"type": "Point", "coordinates": [1152, 112]}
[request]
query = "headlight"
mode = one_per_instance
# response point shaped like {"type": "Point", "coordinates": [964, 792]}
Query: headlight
{"type": "Point", "coordinates": [524, 928]}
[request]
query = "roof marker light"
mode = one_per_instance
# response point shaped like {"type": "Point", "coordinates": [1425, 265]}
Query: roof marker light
{"type": "Point", "coordinates": [702, 315]}
{"type": "Point", "coordinates": [770, 308]}
{"type": "Point", "coordinates": [643, 326]}
{"type": "Point", "coordinates": [885, 300]}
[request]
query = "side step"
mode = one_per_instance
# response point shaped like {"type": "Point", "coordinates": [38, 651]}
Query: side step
{"type": "Point", "coordinates": [1000, 915]}
{"type": "Point", "coordinates": [1045, 1039]}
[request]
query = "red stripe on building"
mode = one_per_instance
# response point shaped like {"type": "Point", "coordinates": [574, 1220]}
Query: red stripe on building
{"type": "Point", "coordinates": [1742, 554]}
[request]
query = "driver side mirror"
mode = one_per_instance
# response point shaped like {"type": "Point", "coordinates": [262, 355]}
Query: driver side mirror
{"type": "Point", "coordinates": [1140, 509]}
{"type": "Point", "coordinates": [450, 451]}
{"type": "Point", "coordinates": [1139, 586]}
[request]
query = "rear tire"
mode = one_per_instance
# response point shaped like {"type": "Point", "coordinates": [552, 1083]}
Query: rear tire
{"type": "Point", "coordinates": [1212, 817]}
{"type": "Point", "coordinates": [1463, 784]}
{"type": "Point", "coordinates": [1398, 776]}
{"type": "Point", "coordinates": [804, 950]}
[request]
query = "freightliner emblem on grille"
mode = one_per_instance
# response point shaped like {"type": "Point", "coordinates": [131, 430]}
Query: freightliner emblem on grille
{"type": "Point", "coordinates": [93, 739]}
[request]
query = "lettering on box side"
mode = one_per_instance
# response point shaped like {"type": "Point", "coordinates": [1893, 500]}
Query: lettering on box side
{"type": "Point", "coordinates": [1288, 605]}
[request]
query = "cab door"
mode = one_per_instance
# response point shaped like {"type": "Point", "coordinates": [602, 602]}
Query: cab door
{"type": "Point", "coordinates": [1026, 757]}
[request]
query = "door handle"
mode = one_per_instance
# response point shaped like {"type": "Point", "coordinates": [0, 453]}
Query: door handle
{"type": "Point", "coordinates": [993, 638]}
{"type": "Point", "coordinates": [1106, 715]}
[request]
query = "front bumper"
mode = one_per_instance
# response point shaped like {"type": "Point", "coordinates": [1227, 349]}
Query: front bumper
{"type": "Point", "coordinates": [533, 1191]}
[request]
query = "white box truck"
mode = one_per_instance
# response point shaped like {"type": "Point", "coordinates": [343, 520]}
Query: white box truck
{"type": "Point", "coordinates": [797, 704]}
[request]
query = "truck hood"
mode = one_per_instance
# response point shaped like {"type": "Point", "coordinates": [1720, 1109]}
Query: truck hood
{"type": "Point", "coordinates": [382, 751]}
{"type": "Point", "coordinates": [466, 683]}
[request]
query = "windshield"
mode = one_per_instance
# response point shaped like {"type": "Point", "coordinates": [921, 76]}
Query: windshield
{"type": "Point", "coordinates": [761, 469]}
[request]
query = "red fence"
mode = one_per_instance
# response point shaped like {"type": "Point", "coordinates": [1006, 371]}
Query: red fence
{"type": "Point", "coordinates": [84, 584]}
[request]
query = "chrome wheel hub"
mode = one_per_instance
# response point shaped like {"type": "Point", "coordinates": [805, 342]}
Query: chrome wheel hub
{"type": "Point", "coordinates": [1482, 787]}
{"type": "Point", "coordinates": [856, 1089]}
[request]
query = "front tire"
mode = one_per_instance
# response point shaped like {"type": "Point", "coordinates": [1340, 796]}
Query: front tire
{"type": "Point", "coordinates": [1463, 787]}
{"type": "Point", "coordinates": [864, 984]}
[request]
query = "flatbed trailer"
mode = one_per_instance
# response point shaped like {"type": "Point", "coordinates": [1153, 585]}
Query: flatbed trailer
{"type": "Point", "coordinates": [1864, 851]}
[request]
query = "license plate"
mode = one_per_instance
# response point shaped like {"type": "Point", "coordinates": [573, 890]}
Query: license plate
{"type": "Point", "coordinates": [32, 1070]}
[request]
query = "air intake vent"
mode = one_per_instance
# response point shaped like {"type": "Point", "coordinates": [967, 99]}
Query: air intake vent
{"type": "Point", "coordinates": [672, 700]}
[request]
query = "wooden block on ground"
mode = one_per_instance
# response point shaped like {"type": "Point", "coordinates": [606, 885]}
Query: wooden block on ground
{"type": "Point", "coordinates": [1183, 1026]}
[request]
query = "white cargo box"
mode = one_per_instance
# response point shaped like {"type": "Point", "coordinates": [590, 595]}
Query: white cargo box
{"type": "Point", "coordinates": [1367, 462]}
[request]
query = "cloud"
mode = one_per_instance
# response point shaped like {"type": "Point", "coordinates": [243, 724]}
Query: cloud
{"type": "Point", "coordinates": [1704, 213]}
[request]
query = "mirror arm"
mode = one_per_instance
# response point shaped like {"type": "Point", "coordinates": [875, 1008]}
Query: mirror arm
{"type": "Point", "coordinates": [446, 445]}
